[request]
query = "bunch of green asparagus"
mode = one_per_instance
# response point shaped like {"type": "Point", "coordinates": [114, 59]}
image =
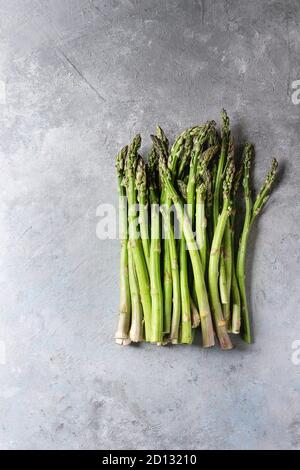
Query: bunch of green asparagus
{"type": "Point", "coordinates": [175, 281]}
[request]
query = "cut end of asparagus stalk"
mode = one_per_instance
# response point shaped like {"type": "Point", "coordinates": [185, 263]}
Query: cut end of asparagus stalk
{"type": "Point", "coordinates": [226, 345]}
{"type": "Point", "coordinates": [123, 341]}
{"type": "Point", "coordinates": [236, 319]}
{"type": "Point", "coordinates": [195, 315]}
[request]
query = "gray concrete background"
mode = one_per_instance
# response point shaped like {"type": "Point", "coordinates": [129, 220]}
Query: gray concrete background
{"type": "Point", "coordinates": [78, 79]}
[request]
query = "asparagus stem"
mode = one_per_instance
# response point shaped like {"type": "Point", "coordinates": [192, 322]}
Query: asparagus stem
{"type": "Point", "coordinates": [235, 292]}
{"type": "Point", "coordinates": [205, 315]}
{"type": "Point", "coordinates": [222, 278]}
{"type": "Point", "coordinates": [213, 275]}
{"type": "Point", "coordinates": [227, 251]}
{"type": "Point", "coordinates": [186, 323]}
{"type": "Point", "coordinates": [155, 251]}
{"type": "Point", "coordinates": [168, 287]}
{"type": "Point", "coordinates": [241, 263]}
{"type": "Point", "coordinates": [200, 287]}
{"type": "Point", "coordinates": [214, 259]}
{"type": "Point", "coordinates": [236, 298]}
{"type": "Point", "coordinates": [227, 248]}
{"type": "Point", "coordinates": [191, 188]}
{"type": "Point", "coordinates": [176, 310]}
{"type": "Point", "coordinates": [167, 275]}
{"type": "Point", "coordinates": [155, 275]}
{"type": "Point", "coordinates": [201, 223]}
{"type": "Point", "coordinates": [226, 254]}
{"type": "Point", "coordinates": [169, 281]}
{"type": "Point", "coordinates": [136, 329]}
{"type": "Point", "coordinates": [121, 335]}
{"type": "Point", "coordinates": [135, 241]}
{"type": "Point", "coordinates": [236, 305]}
{"type": "Point", "coordinates": [141, 185]}
{"type": "Point", "coordinates": [186, 320]}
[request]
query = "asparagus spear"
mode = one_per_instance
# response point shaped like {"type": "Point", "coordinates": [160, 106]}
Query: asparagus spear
{"type": "Point", "coordinates": [250, 216]}
{"type": "Point", "coordinates": [205, 315]}
{"type": "Point", "coordinates": [167, 274]}
{"type": "Point", "coordinates": [155, 250]}
{"type": "Point", "coordinates": [227, 262]}
{"type": "Point", "coordinates": [214, 259]}
{"type": "Point", "coordinates": [235, 292]}
{"type": "Point", "coordinates": [176, 307]}
{"type": "Point", "coordinates": [136, 329]}
{"type": "Point", "coordinates": [201, 222]}
{"type": "Point", "coordinates": [135, 241]}
{"type": "Point", "coordinates": [170, 250]}
{"type": "Point", "coordinates": [186, 321]}
{"type": "Point", "coordinates": [186, 309]}
{"type": "Point", "coordinates": [121, 335]}
{"type": "Point", "coordinates": [167, 267]}
{"type": "Point", "coordinates": [168, 285]}
{"type": "Point", "coordinates": [217, 197]}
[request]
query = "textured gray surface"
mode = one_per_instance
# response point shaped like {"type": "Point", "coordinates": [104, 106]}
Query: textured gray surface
{"type": "Point", "coordinates": [77, 79]}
